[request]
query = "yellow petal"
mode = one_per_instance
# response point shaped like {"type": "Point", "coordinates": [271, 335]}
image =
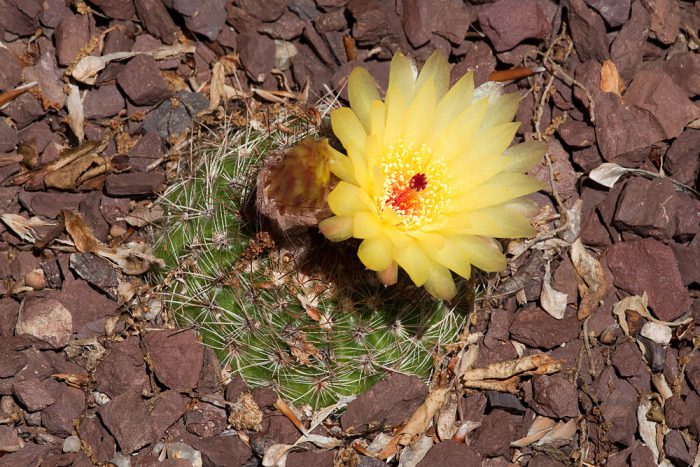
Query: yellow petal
{"type": "Point", "coordinates": [362, 89]}
{"type": "Point", "coordinates": [341, 166]}
{"type": "Point", "coordinates": [402, 81]}
{"type": "Point", "coordinates": [414, 261]}
{"type": "Point", "coordinates": [457, 136]}
{"type": "Point", "coordinates": [377, 116]}
{"type": "Point", "coordinates": [524, 206]}
{"type": "Point", "coordinates": [478, 172]}
{"type": "Point", "coordinates": [390, 275]}
{"type": "Point", "coordinates": [436, 68]}
{"type": "Point", "coordinates": [376, 253]}
{"type": "Point", "coordinates": [451, 256]}
{"type": "Point", "coordinates": [336, 228]}
{"type": "Point", "coordinates": [348, 129]}
{"type": "Point", "coordinates": [502, 109]}
{"type": "Point", "coordinates": [483, 253]}
{"type": "Point", "coordinates": [366, 225]}
{"type": "Point", "coordinates": [420, 114]}
{"type": "Point", "coordinates": [499, 189]}
{"type": "Point", "coordinates": [489, 143]}
{"type": "Point", "coordinates": [346, 199]}
{"type": "Point", "coordinates": [440, 283]}
{"type": "Point", "coordinates": [524, 156]}
{"type": "Point", "coordinates": [458, 98]}
{"type": "Point", "coordinates": [495, 221]}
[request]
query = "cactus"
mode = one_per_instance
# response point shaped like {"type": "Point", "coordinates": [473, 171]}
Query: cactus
{"type": "Point", "coordinates": [303, 314]}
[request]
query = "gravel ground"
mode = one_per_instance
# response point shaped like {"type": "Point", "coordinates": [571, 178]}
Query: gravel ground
{"type": "Point", "coordinates": [609, 334]}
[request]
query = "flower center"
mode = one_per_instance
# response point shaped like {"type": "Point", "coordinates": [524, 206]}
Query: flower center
{"type": "Point", "coordinates": [415, 185]}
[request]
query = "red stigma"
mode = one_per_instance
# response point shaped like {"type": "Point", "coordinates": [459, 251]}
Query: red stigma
{"type": "Point", "coordinates": [418, 182]}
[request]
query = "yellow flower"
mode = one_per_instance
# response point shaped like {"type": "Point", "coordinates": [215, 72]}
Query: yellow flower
{"type": "Point", "coordinates": [428, 179]}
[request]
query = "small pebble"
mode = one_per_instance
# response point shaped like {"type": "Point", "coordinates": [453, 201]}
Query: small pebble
{"type": "Point", "coordinates": [100, 398]}
{"type": "Point", "coordinates": [71, 444]}
{"type": "Point", "coordinates": [659, 333]}
{"type": "Point", "coordinates": [121, 460]}
{"type": "Point", "coordinates": [184, 451]}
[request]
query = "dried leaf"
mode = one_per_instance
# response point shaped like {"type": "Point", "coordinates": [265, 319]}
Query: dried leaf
{"type": "Point", "coordinates": [133, 258]}
{"type": "Point", "coordinates": [607, 174]}
{"type": "Point", "coordinates": [553, 301]}
{"type": "Point", "coordinates": [640, 304]}
{"type": "Point", "coordinates": [591, 279]}
{"type": "Point", "coordinates": [532, 364]}
{"type": "Point", "coordinates": [142, 215]}
{"type": "Point", "coordinates": [276, 455]}
{"type": "Point", "coordinates": [647, 428]}
{"type": "Point", "coordinates": [9, 96]}
{"type": "Point", "coordinates": [87, 67]}
{"type": "Point", "coordinates": [417, 424]}
{"type": "Point", "coordinates": [412, 455]}
{"type": "Point", "coordinates": [23, 227]}
{"type": "Point", "coordinates": [83, 238]}
{"type": "Point", "coordinates": [560, 432]}
{"type": "Point", "coordinates": [540, 427]}
{"type": "Point", "coordinates": [71, 176]}
{"type": "Point", "coordinates": [76, 115]}
{"type": "Point", "coordinates": [661, 385]}
{"type": "Point", "coordinates": [446, 417]}
{"type": "Point", "coordinates": [610, 80]}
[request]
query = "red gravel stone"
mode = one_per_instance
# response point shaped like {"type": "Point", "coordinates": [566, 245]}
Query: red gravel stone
{"type": "Point", "coordinates": [71, 35]}
{"type": "Point", "coordinates": [11, 71]}
{"type": "Point", "coordinates": [128, 420]}
{"type": "Point", "coordinates": [306, 458]}
{"type": "Point", "coordinates": [554, 396]}
{"type": "Point", "coordinates": [648, 265]}
{"type": "Point", "coordinates": [167, 350]}
{"type": "Point", "coordinates": [142, 81]}
{"type": "Point", "coordinates": [389, 402]}
{"type": "Point", "coordinates": [509, 22]}
{"type": "Point", "coordinates": [134, 184]}
{"type": "Point", "coordinates": [536, 328]}
{"type": "Point", "coordinates": [588, 32]}
{"type": "Point", "coordinates": [156, 19]}
{"type": "Point", "coordinates": [32, 394]}
{"type": "Point", "coordinates": [495, 434]}
{"type": "Point", "coordinates": [68, 406]}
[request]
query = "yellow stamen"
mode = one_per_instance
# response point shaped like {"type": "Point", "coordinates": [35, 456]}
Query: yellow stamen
{"type": "Point", "coordinates": [416, 185]}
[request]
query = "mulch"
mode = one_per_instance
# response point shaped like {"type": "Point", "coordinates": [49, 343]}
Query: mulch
{"type": "Point", "coordinates": [89, 372]}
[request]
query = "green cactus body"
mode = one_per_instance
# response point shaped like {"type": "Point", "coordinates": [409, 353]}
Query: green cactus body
{"type": "Point", "coordinates": [313, 332]}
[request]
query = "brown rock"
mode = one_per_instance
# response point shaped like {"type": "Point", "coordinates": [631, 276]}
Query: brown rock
{"type": "Point", "coordinates": [106, 101]}
{"type": "Point", "coordinates": [24, 110]}
{"type": "Point", "coordinates": [32, 394]}
{"type": "Point", "coordinates": [375, 21]}
{"type": "Point", "coordinates": [588, 31]}
{"type": "Point", "coordinates": [536, 328]}
{"type": "Point", "coordinates": [9, 441]}
{"type": "Point", "coordinates": [11, 362]}
{"type": "Point", "coordinates": [451, 454]}
{"type": "Point", "coordinates": [495, 434]}
{"type": "Point", "coordinates": [264, 11]}
{"type": "Point", "coordinates": [38, 135]}
{"type": "Point", "coordinates": [449, 18]}
{"type": "Point", "coordinates": [684, 70]}
{"type": "Point", "coordinates": [49, 203]}
{"type": "Point", "coordinates": [69, 404]}
{"type": "Point", "coordinates": [614, 13]}
{"type": "Point", "coordinates": [681, 158]}
{"type": "Point", "coordinates": [167, 350]}
{"type": "Point", "coordinates": [133, 431]}
{"type": "Point", "coordinates": [306, 458]}
{"type": "Point", "coordinates": [676, 413]}
{"type": "Point", "coordinates": [619, 407]}
{"type": "Point", "coordinates": [478, 59]}
{"type": "Point", "coordinates": [11, 72]}
{"type": "Point", "coordinates": [389, 402]}
{"type": "Point", "coordinates": [665, 20]}
{"type": "Point", "coordinates": [207, 18]}
{"type": "Point", "coordinates": [96, 271]}
{"type": "Point", "coordinates": [235, 388]}
{"type": "Point", "coordinates": [509, 22]}
{"type": "Point", "coordinates": [206, 420]}
{"type": "Point", "coordinates": [134, 184]}
{"type": "Point", "coordinates": [210, 377]}
{"type": "Point", "coordinates": [20, 17]}
{"type": "Point", "coordinates": [656, 93]}
{"type": "Point", "coordinates": [677, 449]}
{"type": "Point", "coordinates": [627, 49]}
{"type": "Point", "coordinates": [142, 81]}
{"type": "Point", "coordinates": [122, 370]}
{"type": "Point", "coordinates": [8, 137]}
{"type": "Point", "coordinates": [221, 451]}
{"type": "Point", "coordinates": [257, 54]}
{"type": "Point", "coordinates": [565, 176]}
{"type": "Point", "coordinates": [628, 360]}
{"type": "Point", "coordinates": [648, 265]}
{"type": "Point", "coordinates": [116, 9]}
{"type": "Point", "coordinates": [555, 396]}
{"type": "Point", "coordinates": [332, 21]}
{"type": "Point", "coordinates": [577, 134]}
{"type": "Point", "coordinates": [156, 19]}
{"type": "Point", "coordinates": [71, 35]}
{"type": "Point", "coordinates": [544, 461]}
{"type": "Point", "coordinates": [87, 305]}
{"type": "Point", "coordinates": [45, 318]}
{"type": "Point", "coordinates": [9, 311]}
{"type": "Point", "coordinates": [97, 438]}
{"type": "Point", "coordinates": [53, 12]}
{"type": "Point", "coordinates": [147, 150]}
{"type": "Point", "coordinates": [688, 257]}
